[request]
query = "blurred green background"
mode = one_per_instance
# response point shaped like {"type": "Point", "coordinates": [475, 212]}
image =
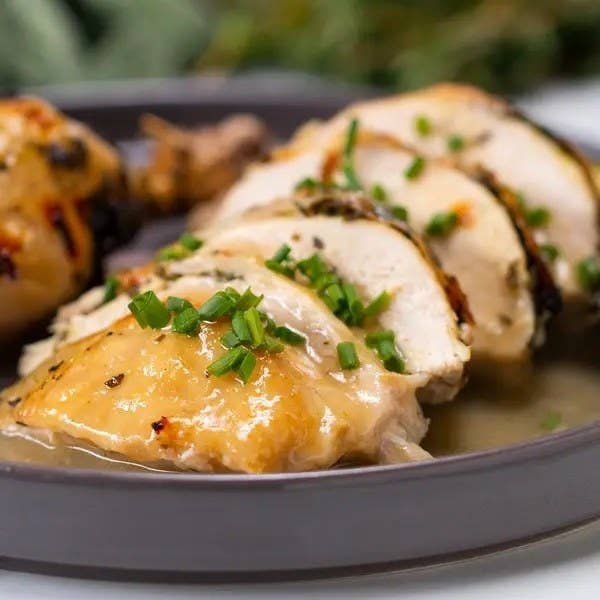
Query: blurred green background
{"type": "Point", "coordinates": [503, 45]}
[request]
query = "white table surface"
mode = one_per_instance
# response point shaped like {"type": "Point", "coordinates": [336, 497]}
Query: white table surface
{"type": "Point", "coordinates": [563, 568]}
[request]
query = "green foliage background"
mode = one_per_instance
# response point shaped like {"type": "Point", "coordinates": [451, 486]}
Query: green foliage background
{"type": "Point", "coordinates": [504, 45]}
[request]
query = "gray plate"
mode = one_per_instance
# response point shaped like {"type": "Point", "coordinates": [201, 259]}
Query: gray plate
{"type": "Point", "coordinates": [226, 527]}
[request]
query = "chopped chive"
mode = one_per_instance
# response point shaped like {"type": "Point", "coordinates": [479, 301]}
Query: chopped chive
{"type": "Point", "coordinates": [383, 343]}
{"type": "Point", "coordinates": [230, 340]}
{"type": "Point", "coordinates": [415, 168]}
{"type": "Point", "coordinates": [254, 322]}
{"type": "Point", "coordinates": [272, 345]}
{"type": "Point", "coordinates": [379, 194]}
{"type": "Point", "coordinates": [232, 294]}
{"type": "Point", "coordinates": [187, 321]}
{"type": "Point", "coordinates": [248, 299]}
{"type": "Point", "coordinates": [308, 183]}
{"type": "Point", "coordinates": [441, 224]}
{"type": "Point", "coordinates": [378, 305]}
{"type": "Point", "coordinates": [399, 212]}
{"type": "Point", "coordinates": [177, 305]}
{"type": "Point", "coordinates": [279, 268]}
{"type": "Point", "coordinates": [216, 306]}
{"type": "Point", "coordinates": [588, 273]}
{"type": "Point", "coordinates": [347, 355]}
{"type": "Point", "coordinates": [550, 252]}
{"type": "Point", "coordinates": [352, 181]}
{"type": "Point", "coordinates": [289, 336]}
{"type": "Point", "coordinates": [333, 295]}
{"type": "Point", "coordinates": [355, 306]}
{"type": "Point", "coordinates": [111, 288]}
{"type": "Point", "coordinates": [267, 322]}
{"type": "Point", "coordinates": [171, 253]}
{"type": "Point", "coordinates": [190, 242]}
{"type": "Point", "coordinates": [282, 253]}
{"type": "Point", "coordinates": [551, 421]}
{"type": "Point", "coordinates": [313, 267]}
{"type": "Point", "coordinates": [537, 217]}
{"type": "Point", "coordinates": [229, 361]}
{"type": "Point", "coordinates": [422, 125]}
{"type": "Point", "coordinates": [455, 143]}
{"type": "Point", "coordinates": [246, 366]}
{"type": "Point", "coordinates": [240, 327]}
{"type": "Point", "coordinates": [149, 311]}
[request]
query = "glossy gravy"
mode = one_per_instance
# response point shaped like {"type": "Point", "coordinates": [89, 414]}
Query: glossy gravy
{"type": "Point", "coordinates": [561, 390]}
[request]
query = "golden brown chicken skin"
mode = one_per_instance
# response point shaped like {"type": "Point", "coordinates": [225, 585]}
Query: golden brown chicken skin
{"type": "Point", "coordinates": [51, 169]}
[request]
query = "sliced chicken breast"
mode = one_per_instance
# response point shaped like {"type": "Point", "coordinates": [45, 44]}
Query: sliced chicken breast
{"type": "Point", "coordinates": [504, 282]}
{"type": "Point", "coordinates": [477, 130]}
{"type": "Point", "coordinates": [145, 394]}
{"type": "Point", "coordinates": [374, 256]}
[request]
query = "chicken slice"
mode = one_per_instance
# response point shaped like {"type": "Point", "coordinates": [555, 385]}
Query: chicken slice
{"type": "Point", "coordinates": [374, 256]}
{"type": "Point", "coordinates": [504, 280]}
{"type": "Point", "coordinates": [477, 130]}
{"type": "Point", "coordinates": [145, 393]}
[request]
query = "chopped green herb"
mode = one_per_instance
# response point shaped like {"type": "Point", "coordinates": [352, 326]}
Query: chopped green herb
{"type": "Point", "coordinates": [240, 327]}
{"type": "Point", "coordinates": [190, 242]}
{"type": "Point", "coordinates": [282, 253]}
{"type": "Point", "coordinates": [588, 273]}
{"type": "Point", "coordinates": [379, 194]}
{"type": "Point", "coordinates": [255, 326]}
{"type": "Point", "coordinates": [441, 224]}
{"type": "Point", "coordinates": [233, 295]}
{"type": "Point", "coordinates": [187, 321]}
{"type": "Point", "coordinates": [177, 305]}
{"type": "Point", "coordinates": [422, 125]}
{"type": "Point", "coordinates": [279, 268]}
{"type": "Point", "coordinates": [551, 421]}
{"type": "Point", "coordinates": [149, 311]}
{"type": "Point", "coordinates": [230, 340]}
{"type": "Point", "coordinates": [347, 355]}
{"type": "Point", "coordinates": [248, 299]}
{"type": "Point", "coordinates": [228, 362]}
{"type": "Point", "coordinates": [550, 252]}
{"type": "Point", "coordinates": [289, 336]}
{"type": "Point", "coordinates": [415, 168]}
{"type": "Point", "coordinates": [399, 212]}
{"type": "Point", "coordinates": [171, 253]}
{"type": "Point", "coordinates": [352, 181]}
{"type": "Point", "coordinates": [313, 267]}
{"type": "Point", "coordinates": [378, 305]}
{"type": "Point", "coordinates": [111, 288]}
{"type": "Point", "coordinates": [216, 306]}
{"type": "Point", "coordinates": [246, 367]}
{"type": "Point", "coordinates": [308, 183]}
{"type": "Point", "coordinates": [383, 343]}
{"type": "Point", "coordinates": [455, 143]}
{"type": "Point", "coordinates": [272, 345]}
{"type": "Point", "coordinates": [537, 217]}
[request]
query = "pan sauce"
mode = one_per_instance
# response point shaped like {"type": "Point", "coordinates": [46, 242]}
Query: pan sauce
{"type": "Point", "coordinates": [561, 391]}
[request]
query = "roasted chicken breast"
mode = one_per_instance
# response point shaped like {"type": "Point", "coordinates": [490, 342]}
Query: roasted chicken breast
{"type": "Point", "coordinates": [52, 170]}
{"type": "Point", "coordinates": [146, 393]}
{"type": "Point", "coordinates": [483, 248]}
{"type": "Point", "coordinates": [478, 131]}
{"type": "Point", "coordinates": [373, 255]}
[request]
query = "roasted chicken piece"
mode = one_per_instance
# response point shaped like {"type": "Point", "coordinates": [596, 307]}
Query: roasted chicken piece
{"type": "Point", "coordinates": [188, 166]}
{"type": "Point", "coordinates": [54, 173]}
{"type": "Point", "coordinates": [147, 394]}
{"type": "Point", "coordinates": [478, 131]}
{"type": "Point", "coordinates": [426, 311]}
{"type": "Point", "coordinates": [508, 286]}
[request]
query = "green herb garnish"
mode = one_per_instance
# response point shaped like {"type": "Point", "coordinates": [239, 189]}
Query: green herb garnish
{"type": "Point", "coordinates": [228, 362]}
{"type": "Point", "coordinates": [383, 343]}
{"type": "Point", "coordinates": [187, 322]}
{"type": "Point", "coordinates": [441, 224]}
{"type": "Point", "coordinates": [378, 305]}
{"type": "Point", "coordinates": [551, 421]}
{"type": "Point", "coordinates": [588, 273]}
{"type": "Point", "coordinates": [149, 311]}
{"type": "Point", "coordinates": [190, 242]}
{"type": "Point", "coordinates": [550, 252]}
{"type": "Point", "coordinates": [184, 246]}
{"type": "Point", "coordinates": [379, 194]}
{"type": "Point", "coordinates": [422, 125]}
{"type": "Point", "coordinates": [537, 217]}
{"type": "Point", "coordinates": [415, 168]}
{"type": "Point", "coordinates": [347, 356]}
{"type": "Point", "coordinates": [177, 305]}
{"type": "Point", "coordinates": [289, 336]}
{"type": "Point", "coordinates": [455, 143]}
{"type": "Point", "coordinates": [352, 181]}
{"type": "Point", "coordinates": [399, 212]}
{"type": "Point", "coordinates": [111, 289]}
{"type": "Point", "coordinates": [246, 367]}
{"type": "Point", "coordinates": [255, 326]}
{"type": "Point", "coordinates": [216, 306]}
